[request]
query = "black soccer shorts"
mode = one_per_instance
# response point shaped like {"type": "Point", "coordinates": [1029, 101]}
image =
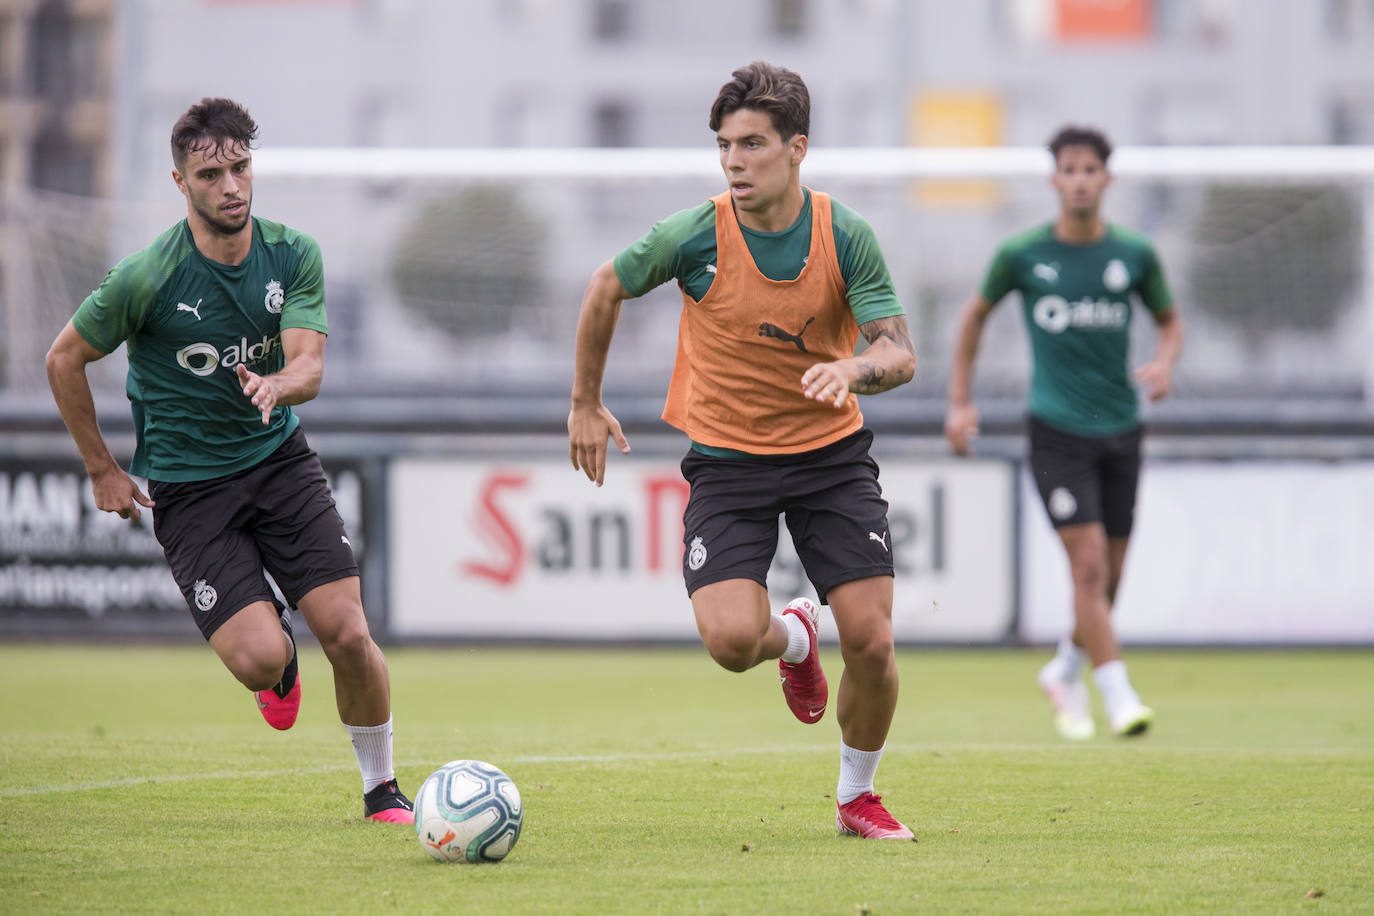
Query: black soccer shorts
{"type": "Point", "coordinates": [1086, 479]}
{"type": "Point", "coordinates": [221, 535]}
{"type": "Point", "coordinates": [830, 498]}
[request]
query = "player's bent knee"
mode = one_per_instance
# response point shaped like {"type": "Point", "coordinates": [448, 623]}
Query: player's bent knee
{"type": "Point", "coordinates": [733, 651]}
{"type": "Point", "coordinates": [256, 670]}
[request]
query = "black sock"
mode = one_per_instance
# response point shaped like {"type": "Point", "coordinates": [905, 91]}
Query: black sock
{"type": "Point", "coordinates": [288, 675]}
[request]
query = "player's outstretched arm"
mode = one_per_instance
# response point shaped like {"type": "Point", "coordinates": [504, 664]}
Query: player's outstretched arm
{"type": "Point", "coordinates": [114, 490]}
{"type": "Point", "coordinates": [299, 379]}
{"type": "Point", "coordinates": [961, 417]}
{"type": "Point", "coordinates": [590, 423]}
{"type": "Point", "coordinates": [889, 361]}
{"type": "Point", "coordinates": [1158, 374]}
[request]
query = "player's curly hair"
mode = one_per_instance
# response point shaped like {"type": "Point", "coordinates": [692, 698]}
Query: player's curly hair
{"type": "Point", "coordinates": [212, 125]}
{"type": "Point", "coordinates": [776, 91]}
{"type": "Point", "coordinates": [1078, 135]}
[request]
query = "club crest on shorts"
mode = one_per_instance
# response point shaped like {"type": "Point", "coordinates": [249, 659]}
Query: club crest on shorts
{"type": "Point", "coordinates": [206, 596]}
{"type": "Point", "coordinates": [1062, 505]}
{"type": "Point", "coordinates": [275, 297]}
{"type": "Point", "coordinates": [696, 554]}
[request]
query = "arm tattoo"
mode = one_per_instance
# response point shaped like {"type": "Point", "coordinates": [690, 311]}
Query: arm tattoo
{"type": "Point", "coordinates": [876, 375]}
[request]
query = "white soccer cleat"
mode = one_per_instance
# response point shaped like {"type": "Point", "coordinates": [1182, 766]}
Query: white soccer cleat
{"type": "Point", "coordinates": [1073, 717]}
{"type": "Point", "coordinates": [1132, 720]}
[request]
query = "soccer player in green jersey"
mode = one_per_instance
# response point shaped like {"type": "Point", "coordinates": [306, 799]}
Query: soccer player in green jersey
{"type": "Point", "coordinates": [777, 282]}
{"type": "Point", "coordinates": [1078, 277]}
{"type": "Point", "coordinates": [223, 320]}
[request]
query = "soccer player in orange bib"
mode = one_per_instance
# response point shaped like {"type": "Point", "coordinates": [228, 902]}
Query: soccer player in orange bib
{"type": "Point", "coordinates": [777, 283]}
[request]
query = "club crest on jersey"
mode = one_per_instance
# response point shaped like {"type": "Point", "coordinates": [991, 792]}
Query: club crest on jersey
{"type": "Point", "coordinates": [275, 297]}
{"type": "Point", "coordinates": [1116, 277]}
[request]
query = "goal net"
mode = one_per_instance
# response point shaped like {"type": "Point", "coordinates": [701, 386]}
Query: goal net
{"type": "Point", "coordinates": [453, 272]}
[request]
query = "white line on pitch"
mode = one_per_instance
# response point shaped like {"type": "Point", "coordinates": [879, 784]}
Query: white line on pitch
{"type": "Point", "coordinates": [937, 750]}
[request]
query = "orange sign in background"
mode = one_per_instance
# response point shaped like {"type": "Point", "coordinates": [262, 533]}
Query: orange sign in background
{"type": "Point", "coordinates": [1098, 19]}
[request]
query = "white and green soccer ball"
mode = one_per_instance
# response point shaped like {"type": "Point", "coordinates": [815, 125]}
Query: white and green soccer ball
{"type": "Point", "coordinates": [468, 811]}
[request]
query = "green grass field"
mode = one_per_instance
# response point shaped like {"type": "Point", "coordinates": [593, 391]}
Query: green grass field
{"type": "Point", "coordinates": [142, 780]}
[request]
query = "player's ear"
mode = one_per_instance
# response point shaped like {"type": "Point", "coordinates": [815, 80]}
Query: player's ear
{"type": "Point", "coordinates": [180, 181]}
{"type": "Point", "coordinates": [797, 147]}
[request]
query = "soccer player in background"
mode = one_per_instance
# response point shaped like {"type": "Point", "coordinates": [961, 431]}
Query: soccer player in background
{"type": "Point", "coordinates": [1077, 277]}
{"type": "Point", "coordinates": [777, 280]}
{"type": "Point", "coordinates": [224, 323]}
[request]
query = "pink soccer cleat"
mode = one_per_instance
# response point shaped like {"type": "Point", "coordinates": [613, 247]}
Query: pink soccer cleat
{"type": "Point", "coordinates": [866, 817]}
{"type": "Point", "coordinates": [803, 684]}
{"type": "Point", "coordinates": [280, 712]}
{"type": "Point", "coordinates": [385, 803]}
{"type": "Point", "coordinates": [280, 709]}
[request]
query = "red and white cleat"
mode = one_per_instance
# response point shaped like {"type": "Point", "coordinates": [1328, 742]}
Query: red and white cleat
{"type": "Point", "coordinates": [803, 684]}
{"type": "Point", "coordinates": [866, 817]}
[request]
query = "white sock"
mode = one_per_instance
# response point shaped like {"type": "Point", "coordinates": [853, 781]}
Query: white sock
{"type": "Point", "coordinates": [1114, 686]}
{"type": "Point", "coordinates": [856, 772]}
{"type": "Point", "coordinates": [798, 639]}
{"type": "Point", "coordinates": [372, 747]}
{"type": "Point", "coordinates": [1070, 659]}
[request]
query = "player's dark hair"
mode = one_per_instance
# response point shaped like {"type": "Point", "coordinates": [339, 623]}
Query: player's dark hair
{"type": "Point", "coordinates": [212, 125]}
{"type": "Point", "coordinates": [1076, 135]}
{"type": "Point", "coordinates": [776, 91]}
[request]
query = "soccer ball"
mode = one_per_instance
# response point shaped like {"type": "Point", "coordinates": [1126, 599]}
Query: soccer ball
{"type": "Point", "coordinates": [468, 811]}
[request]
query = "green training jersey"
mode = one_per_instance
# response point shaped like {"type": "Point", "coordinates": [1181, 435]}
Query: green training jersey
{"type": "Point", "coordinates": [683, 247]}
{"type": "Point", "coordinates": [187, 322]}
{"type": "Point", "coordinates": [1077, 303]}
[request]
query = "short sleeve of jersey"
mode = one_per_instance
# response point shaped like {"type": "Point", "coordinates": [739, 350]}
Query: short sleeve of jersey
{"type": "Point", "coordinates": [115, 309]}
{"type": "Point", "coordinates": [1000, 278]}
{"type": "Point", "coordinates": [1154, 289]}
{"type": "Point", "coordinates": [868, 284]}
{"type": "Point", "coordinates": [304, 305]}
{"type": "Point", "coordinates": [653, 260]}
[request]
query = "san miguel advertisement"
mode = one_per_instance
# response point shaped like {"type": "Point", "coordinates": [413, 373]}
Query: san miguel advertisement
{"type": "Point", "coordinates": [532, 550]}
{"type": "Point", "coordinates": [67, 568]}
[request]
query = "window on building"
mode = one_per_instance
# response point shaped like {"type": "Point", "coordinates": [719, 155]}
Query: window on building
{"type": "Point", "coordinates": [1349, 21]}
{"type": "Point", "coordinates": [7, 76]}
{"type": "Point", "coordinates": [1350, 120]}
{"type": "Point", "coordinates": [789, 17]}
{"type": "Point", "coordinates": [50, 61]}
{"type": "Point", "coordinates": [610, 19]}
{"type": "Point", "coordinates": [611, 123]}
{"type": "Point", "coordinates": [1203, 22]}
{"type": "Point", "coordinates": [59, 164]}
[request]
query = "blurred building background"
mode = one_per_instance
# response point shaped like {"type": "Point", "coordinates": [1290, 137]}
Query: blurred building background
{"type": "Point", "coordinates": [453, 297]}
{"type": "Point", "coordinates": [444, 288]}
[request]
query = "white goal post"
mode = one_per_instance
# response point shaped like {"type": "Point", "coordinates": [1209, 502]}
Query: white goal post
{"type": "Point", "coordinates": [876, 163]}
